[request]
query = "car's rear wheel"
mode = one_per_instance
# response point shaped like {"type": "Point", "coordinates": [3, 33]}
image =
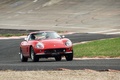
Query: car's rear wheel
{"type": "Point", "coordinates": [69, 57]}
{"type": "Point", "coordinates": [58, 58]}
{"type": "Point", "coordinates": [23, 59]}
{"type": "Point", "coordinates": [33, 56]}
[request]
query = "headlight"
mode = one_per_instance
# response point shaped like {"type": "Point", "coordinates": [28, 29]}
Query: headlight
{"type": "Point", "coordinates": [68, 43]}
{"type": "Point", "coordinates": [40, 45]}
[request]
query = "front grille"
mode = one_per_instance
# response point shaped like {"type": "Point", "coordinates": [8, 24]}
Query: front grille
{"type": "Point", "coordinates": [54, 50]}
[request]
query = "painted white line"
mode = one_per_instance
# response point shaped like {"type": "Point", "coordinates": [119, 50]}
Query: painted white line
{"type": "Point", "coordinates": [104, 31]}
{"type": "Point", "coordinates": [19, 37]}
{"type": "Point", "coordinates": [108, 32]}
{"type": "Point", "coordinates": [51, 2]}
{"type": "Point", "coordinates": [113, 33]}
{"type": "Point", "coordinates": [94, 58]}
{"type": "Point", "coordinates": [35, 0]}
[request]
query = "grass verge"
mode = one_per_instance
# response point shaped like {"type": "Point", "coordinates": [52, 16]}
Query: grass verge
{"type": "Point", "coordinates": [10, 35]}
{"type": "Point", "coordinates": [98, 48]}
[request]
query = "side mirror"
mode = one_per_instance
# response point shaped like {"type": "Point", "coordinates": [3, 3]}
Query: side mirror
{"type": "Point", "coordinates": [63, 36]}
{"type": "Point", "coordinates": [25, 38]}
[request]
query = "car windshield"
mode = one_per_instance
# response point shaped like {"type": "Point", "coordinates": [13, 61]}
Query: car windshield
{"type": "Point", "coordinates": [44, 35]}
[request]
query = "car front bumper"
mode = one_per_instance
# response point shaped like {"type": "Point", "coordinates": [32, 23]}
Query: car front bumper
{"type": "Point", "coordinates": [54, 54]}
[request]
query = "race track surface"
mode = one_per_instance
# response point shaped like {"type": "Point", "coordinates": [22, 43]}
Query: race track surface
{"type": "Point", "coordinates": [91, 18]}
{"type": "Point", "coordinates": [9, 58]}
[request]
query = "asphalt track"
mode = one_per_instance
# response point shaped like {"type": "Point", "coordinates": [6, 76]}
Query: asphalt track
{"type": "Point", "coordinates": [84, 16]}
{"type": "Point", "coordinates": [9, 58]}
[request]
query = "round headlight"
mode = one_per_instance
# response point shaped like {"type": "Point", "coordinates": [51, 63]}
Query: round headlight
{"type": "Point", "coordinates": [68, 43]}
{"type": "Point", "coordinates": [40, 45]}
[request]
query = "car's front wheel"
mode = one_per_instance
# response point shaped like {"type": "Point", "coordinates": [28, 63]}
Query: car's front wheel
{"type": "Point", "coordinates": [33, 56]}
{"type": "Point", "coordinates": [69, 57]}
{"type": "Point", "coordinates": [58, 58]}
{"type": "Point", "coordinates": [23, 59]}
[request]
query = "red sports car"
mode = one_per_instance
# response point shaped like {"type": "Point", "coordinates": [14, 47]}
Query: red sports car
{"type": "Point", "coordinates": [45, 44]}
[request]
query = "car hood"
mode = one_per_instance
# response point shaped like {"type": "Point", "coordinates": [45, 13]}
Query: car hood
{"type": "Point", "coordinates": [53, 43]}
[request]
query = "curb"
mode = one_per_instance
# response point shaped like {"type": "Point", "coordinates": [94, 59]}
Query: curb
{"type": "Point", "coordinates": [14, 37]}
{"type": "Point", "coordinates": [94, 58]}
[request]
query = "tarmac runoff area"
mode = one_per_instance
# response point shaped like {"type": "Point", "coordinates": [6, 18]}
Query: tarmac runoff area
{"type": "Point", "coordinates": [84, 16]}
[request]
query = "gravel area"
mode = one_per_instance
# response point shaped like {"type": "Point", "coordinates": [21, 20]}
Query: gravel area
{"type": "Point", "coordinates": [60, 75]}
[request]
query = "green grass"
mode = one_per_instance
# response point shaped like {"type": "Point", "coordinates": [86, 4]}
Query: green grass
{"type": "Point", "coordinates": [98, 48]}
{"type": "Point", "coordinates": [10, 35]}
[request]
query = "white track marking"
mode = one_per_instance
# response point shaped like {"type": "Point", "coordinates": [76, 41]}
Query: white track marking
{"type": "Point", "coordinates": [103, 31]}
{"type": "Point", "coordinates": [111, 31]}
{"type": "Point", "coordinates": [51, 2]}
{"type": "Point", "coordinates": [35, 0]}
{"type": "Point", "coordinates": [19, 37]}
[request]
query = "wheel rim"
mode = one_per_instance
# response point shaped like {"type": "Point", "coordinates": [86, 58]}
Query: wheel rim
{"type": "Point", "coordinates": [21, 56]}
{"type": "Point", "coordinates": [32, 54]}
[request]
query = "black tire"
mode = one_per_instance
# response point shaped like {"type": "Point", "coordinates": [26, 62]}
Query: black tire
{"type": "Point", "coordinates": [58, 58]}
{"type": "Point", "coordinates": [69, 57]}
{"type": "Point", "coordinates": [23, 59]}
{"type": "Point", "coordinates": [33, 56]}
